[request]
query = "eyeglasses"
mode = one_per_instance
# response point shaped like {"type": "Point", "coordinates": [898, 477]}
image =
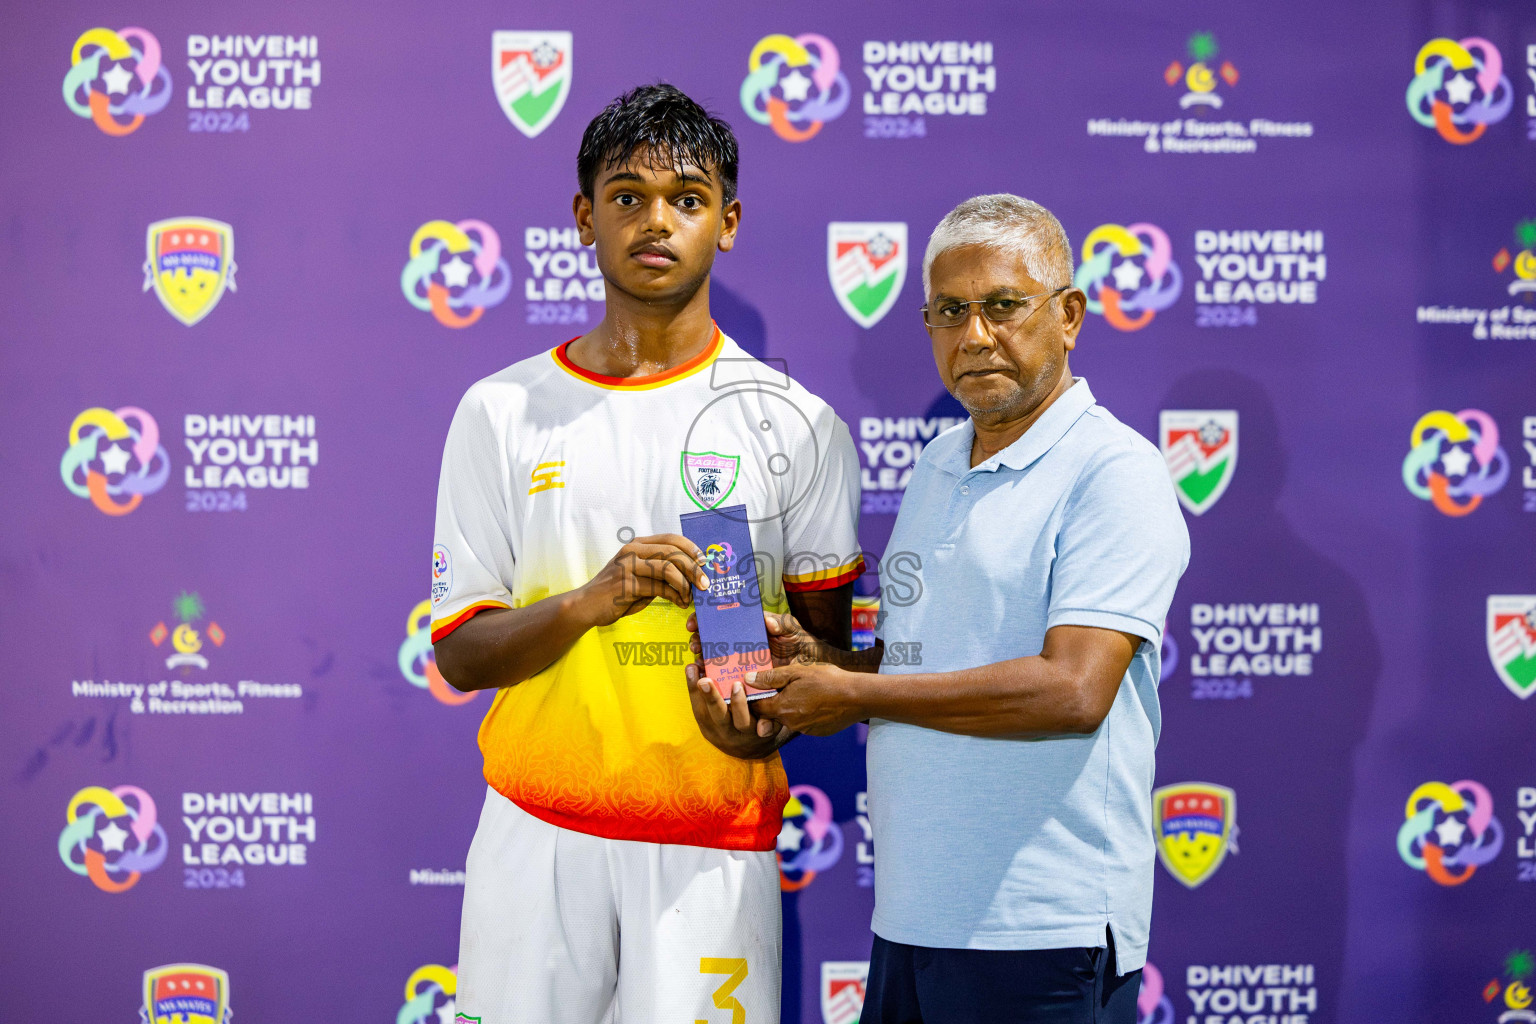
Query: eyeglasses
{"type": "Point", "coordinates": [954, 312]}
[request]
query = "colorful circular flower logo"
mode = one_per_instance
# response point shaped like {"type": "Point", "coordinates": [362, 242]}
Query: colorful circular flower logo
{"type": "Point", "coordinates": [417, 662]}
{"type": "Point", "coordinates": [116, 79]}
{"type": "Point", "coordinates": [1450, 831]}
{"type": "Point", "coordinates": [810, 840]}
{"type": "Point", "coordinates": [112, 837]}
{"type": "Point", "coordinates": [794, 85]}
{"type": "Point", "coordinates": [429, 995]}
{"type": "Point", "coordinates": [1455, 460]}
{"type": "Point", "coordinates": [456, 271]}
{"type": "Point", "coordinates": [1129, 274]}
{"type": "Point", "coordinates": [1459, 88]}
{"type": "Point", "coordinates": [114, 458]}
{"type": "Point", "coordinates": [720, 557]}
{"type": "Point", "coordinates": [1152, 1005]}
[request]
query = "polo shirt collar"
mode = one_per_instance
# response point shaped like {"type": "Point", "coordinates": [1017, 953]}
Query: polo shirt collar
{"type": "Point", "coordinates": [1037, 440]}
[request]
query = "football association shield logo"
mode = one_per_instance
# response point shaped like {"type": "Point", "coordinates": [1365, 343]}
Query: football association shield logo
{"type": "Point", "coordinates": [842, 990]}
{"type": "Point", "coordinates": [709, 477]}
{"type": "Point", "coordinates": [1200, 446]}
{"type": "Point", "coordinates": [1195, 824]}
{"type": "Point", "coordinates": [532, 75]}
{"type": "Point", "coordinates": [185, 994]}
{"type": "Point", "coordinates": [867, 263]}
{"type": "Point", "coordinates": [1512, 641]}
{"type": "Point", "coordinates": [190, 262]}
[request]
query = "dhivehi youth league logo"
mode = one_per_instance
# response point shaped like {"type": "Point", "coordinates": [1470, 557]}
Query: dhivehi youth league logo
{"type": "Point", "coordinates": [1129, 274]}
{"type": "Point", "coordinates": [1195, 824]}
{"type": "Point", "coordinates": [1459, 88]}
{"type": "Point", "coordinates": [719, 557]}
{"type": "Point", "coordinates": [709, 477]}
{"type": "Point", "coordinates": [114, 458]}
{"type": "Point", "coordinates": [1200, 446]}
{"type": "Point", "coordinates": [1449, 831]}
{"type": "Point", "coordinates": [456, 271]}
{"type": "Point", "coordinates": [112, 836]}
{"type": "Point", "coordinates": [1455, 460]}
{"type": "Point", "coordinates": [418, 662]}
{"type": "Point", "coordinates": [1512, 641]}
{"type": "Point", "coordinates": [1152, 1004]}
{"type": "Point", "coordinates": [429, 996]}
{"type": "Point", "coordinates": [120, 76]}
{"type": "Point", "coordinates": [809, 841]}
{"type": "Point", "coordinates": [442, 574]}
{"type": "Point", "coordinates": [185, 994]}
{"type": "Point", "coordinates": [190, 263]}
{"type": "Point", "coordinates": [867, 263]}
{"type": "Point", "coordinates": [532, 75]}
{"type": "Point", "coordinates": [794, 85]}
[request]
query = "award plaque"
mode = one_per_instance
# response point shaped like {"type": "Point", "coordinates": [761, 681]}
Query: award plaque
{"type": "Point", "coordinates": [730, 612]}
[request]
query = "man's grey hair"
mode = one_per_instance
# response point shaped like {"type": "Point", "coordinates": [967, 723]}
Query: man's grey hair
{"type": "Point", "coordinates": [1009, 223]}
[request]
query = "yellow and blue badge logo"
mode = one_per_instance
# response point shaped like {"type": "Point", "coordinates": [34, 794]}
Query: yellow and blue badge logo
{"type": "Point", "coordinates": [185, 994]}
{"type": "Point", "coordinates": [1196, 826]}
{"type": "Point", "coordinates": [190, 263]}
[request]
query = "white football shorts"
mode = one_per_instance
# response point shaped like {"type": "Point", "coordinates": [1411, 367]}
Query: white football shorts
{"type": "Point", "coordinates": [561, 927]}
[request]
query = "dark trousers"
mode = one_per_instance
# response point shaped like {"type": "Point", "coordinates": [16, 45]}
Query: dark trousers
{"type": "Point", "coordinates": [918, 985]}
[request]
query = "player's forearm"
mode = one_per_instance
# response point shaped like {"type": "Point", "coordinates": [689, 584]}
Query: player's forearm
{"type": "Point", "coordinates": [826, 614]}
{"type": "Point", "coordinates": [504, 646]}
{"type": "Point", "coordinates": [866, 660]}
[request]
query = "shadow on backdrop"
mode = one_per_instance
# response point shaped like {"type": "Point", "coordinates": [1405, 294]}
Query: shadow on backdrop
{"type": "Point", "coordinates": [1294, 819]}
{"type": "Point", "coordinates": [739, 319]}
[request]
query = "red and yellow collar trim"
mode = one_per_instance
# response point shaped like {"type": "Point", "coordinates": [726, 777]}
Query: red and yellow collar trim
{"type": "Point", "coordinates": [655, 380]}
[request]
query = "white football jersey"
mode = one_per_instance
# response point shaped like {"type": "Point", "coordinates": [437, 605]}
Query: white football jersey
{"type": "Point", "coordinates": [548, 470]}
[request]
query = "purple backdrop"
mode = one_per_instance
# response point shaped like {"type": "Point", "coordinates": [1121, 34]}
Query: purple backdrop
{"type": "Point", "coordinates": [217, 660]}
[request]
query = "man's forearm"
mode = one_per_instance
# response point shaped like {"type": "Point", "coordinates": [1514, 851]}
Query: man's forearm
{"type": "Point", "coordinates": [1018, 698]}
{"type": "Point", "coordinates": [504, 646]}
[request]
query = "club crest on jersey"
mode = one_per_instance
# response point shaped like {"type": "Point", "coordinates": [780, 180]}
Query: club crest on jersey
{"type": "Point", "coordinates": [842, 990]}
{"type": "Point", "coordinates": [185, 994]}
{"type": "Point", "coordinates": [190, 262]}
{"type": "Point", "coordinates": [867, 264]}
{"type": "Point", "coordinates": [532, 75]}
{"type": "Point", "coordinates": [1512, 641]}
{"type": "Point", "coordinates": [1195, 824]}
{"type": "Point", "coordinates": [709, 477]}
{"type": "Point", "coordinates": [1200, 446]}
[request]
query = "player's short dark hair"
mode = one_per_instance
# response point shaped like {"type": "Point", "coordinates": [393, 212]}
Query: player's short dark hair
{"type": "Point", "coordinates": [661, 119]}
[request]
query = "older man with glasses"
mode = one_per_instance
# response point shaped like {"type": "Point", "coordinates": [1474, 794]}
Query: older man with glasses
{"type": "Point", "coordinates": [1010, 773]}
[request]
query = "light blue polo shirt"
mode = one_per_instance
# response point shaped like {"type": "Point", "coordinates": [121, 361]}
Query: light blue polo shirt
{"type": "Point", "coordinates": [1027, 844]}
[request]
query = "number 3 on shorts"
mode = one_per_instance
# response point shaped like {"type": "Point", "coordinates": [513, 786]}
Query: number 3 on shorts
{"type": "Point", "coordinates": [736, 967]}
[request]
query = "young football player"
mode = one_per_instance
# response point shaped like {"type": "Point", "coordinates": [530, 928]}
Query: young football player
{"type": "Point", "coordinates": [624, 865]}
